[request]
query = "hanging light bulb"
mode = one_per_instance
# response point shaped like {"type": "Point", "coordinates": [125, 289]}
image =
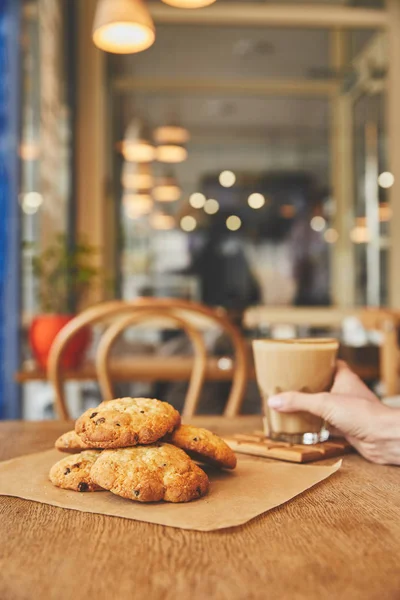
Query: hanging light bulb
{"type": "Point", "coordinates": [136, 146]}
{"type": "Point", "coordinates": [189, 3]}
{"type": "Point", "coordinates": [137, 204]}
{"type": "Point", "coordinates": [123, 26]}
{"type": "Point", "coordinates": [171, 140]}
{"type": "Point", "coordinates": [137, 176]}
{"type": "Point", "coordinates": [167, 189]}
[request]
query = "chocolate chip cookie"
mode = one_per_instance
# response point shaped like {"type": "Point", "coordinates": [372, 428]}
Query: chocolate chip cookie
{"type": "Point", "coordinates": [150, 473]}
{"type": "Point", "coordinates": [204, 446]}
{"type": "Point", "coordinates": [73, 472]}
{"type": "Point", "coordinates": [70, 442]}
{"type": "Point", "coordinates": [126, 422]}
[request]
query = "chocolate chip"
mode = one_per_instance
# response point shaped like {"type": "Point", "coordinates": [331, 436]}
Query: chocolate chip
{"type": "Point", "coordinates": [117, 424]}
{"type": "Point", "coordinates": [76, 465]}
{"type": "Point", "coordinates": [136, 492]}
{"type": "Point", "coordinates": [195, 439]}
{"type": "Point", "coordinates": [165, 464]}
{"type": "Point", "coordinates": [102, 420]}
{"type": "Point", "coordinates": [83, 487]}
{"type": "Point", "coordinates": [142, 411]}
{"type": "Point", "coordinates": [67, 470]}
{"type": "Point", "coordinates": [93, 415]}
{"type": "Point", "coordinates": [198, 490]}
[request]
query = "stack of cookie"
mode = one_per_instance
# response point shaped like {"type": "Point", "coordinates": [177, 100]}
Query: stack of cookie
{"type": "Point", "coordinates": [138, 449]}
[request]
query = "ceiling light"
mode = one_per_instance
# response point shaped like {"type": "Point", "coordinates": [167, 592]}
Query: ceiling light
{"type": "Point", "coordinates": [32, 200]}
{"type": "Point", "coordinates": [331, 236]}
{"type": "Point", "coordinates": [137, 205]}
{"type": "Point", "coordinates": [189, 3]}
{"type": "Point", "coordinates": [173, 134]}
{"type": "Point", "coordinates": [386, 180]}
{"type": "Point", "coordinates": [227, 179]}
{"type": "Point", "coordinates": [170, 153]}
{"type": "Point", "coordinates": [167, 190]}
{"type": "Point", "coordinates": [211, 206]}
{"type": "Point", "coordinates": [137, 176]}
{"type": "Point", "coordinates": [171, 140]}
{"type": "Point", "coordinates": [162, 221]}
{"type": "Point", "coordinates": [317, 223]}
{"type": "Point", "coordinates": [137, 146]}
{"type": "Point", "coordinates": [197, 200]}
{"type": "Point", "coordinates": [233, 223]}
{"type": "Point", "coordinates": [123, 26]}
{"type": "Point", "coordinates": [188, 223]}
{"type": "Point", "coordinates": [256, 201]}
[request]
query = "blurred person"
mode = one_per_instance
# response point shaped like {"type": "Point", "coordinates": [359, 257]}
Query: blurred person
{"type": "Point", "coordinates": [353, 409]}
{"type": "Point", "coordinates": [223, 269]}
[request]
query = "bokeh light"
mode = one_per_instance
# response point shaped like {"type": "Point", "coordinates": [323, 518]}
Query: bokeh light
{"type": "Point", "coordinates": [211, 207]}
{"type": "Point", "coordinates": [233, 223]}
{"type": "Point", "coordinates": [256, 200]}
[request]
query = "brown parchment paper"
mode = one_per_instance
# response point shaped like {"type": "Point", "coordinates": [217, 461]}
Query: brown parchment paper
{"type": "Point", "coordinates": [235, 497]}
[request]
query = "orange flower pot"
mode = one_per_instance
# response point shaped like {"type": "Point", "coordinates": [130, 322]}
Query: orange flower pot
{"type": "Point", "coordinates": [43, 331]}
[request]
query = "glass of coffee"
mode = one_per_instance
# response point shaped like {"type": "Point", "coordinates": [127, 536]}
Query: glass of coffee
{"type": "Point", "coordinates": [302, 365]}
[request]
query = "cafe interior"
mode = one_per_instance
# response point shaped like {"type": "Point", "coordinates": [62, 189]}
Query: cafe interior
{"type": "Point", "coordinates": [242, 157]}
{"type": "Point", "coordinates": [180, 178]}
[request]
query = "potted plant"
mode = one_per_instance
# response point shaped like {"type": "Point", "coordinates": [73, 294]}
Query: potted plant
{"type": "Point", "coordinates": [64, 274]}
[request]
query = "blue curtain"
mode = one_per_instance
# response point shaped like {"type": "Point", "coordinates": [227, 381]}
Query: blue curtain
{"type": "Point", "coordinates": [9, 212]}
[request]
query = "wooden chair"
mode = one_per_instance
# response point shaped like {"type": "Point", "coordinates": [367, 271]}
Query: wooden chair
{"type": "Point", "coordinates": [188, 315]}
{"type": "Point", "coordinates": [385, 321]}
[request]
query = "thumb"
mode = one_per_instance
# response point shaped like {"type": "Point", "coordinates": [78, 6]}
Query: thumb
{"type": "Point", "coordinates": [322, 405]}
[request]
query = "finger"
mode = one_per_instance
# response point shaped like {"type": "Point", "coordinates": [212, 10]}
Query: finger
{"type": "Point", "coordinates": [321, 405]}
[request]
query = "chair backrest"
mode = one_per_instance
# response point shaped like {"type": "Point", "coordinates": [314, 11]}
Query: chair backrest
{"type": "Point", "coordinates": [182, 312]}
{"type": "Point", "coordinates": [120, 325]}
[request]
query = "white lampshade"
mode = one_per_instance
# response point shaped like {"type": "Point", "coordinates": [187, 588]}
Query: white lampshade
{"type": "Point", "coordinates": [171, 134]}
{"type": "Point", "coordinates": [167, 190]}
{"type": "Point", "coordinates": [137, 205]}
{"type": "Point", "coordinates": [137, 176]}
{"type": "Point", "coordinates": [171, 140]}
{"type": "Point", "coordinates": [170, 153]}
{"type": "Point", "coordinates": [123, 26]}
{"type": "Point", "coordinates": [137, 145]}
{"type": "Point", "coordinates": [189, 3]}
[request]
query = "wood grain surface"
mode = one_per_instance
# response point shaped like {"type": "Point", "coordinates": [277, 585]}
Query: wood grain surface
{"type": "Point", "coordinates": [340, 540]}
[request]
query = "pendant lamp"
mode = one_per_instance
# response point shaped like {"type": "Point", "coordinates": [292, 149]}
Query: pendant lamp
{"type": "Point", "coordinates": [167, 189]}
{"type": "Point", "coordinates": [171, 141]}
{"type": "Point", "coordinates": [137, 176]}
{"type": "Point", "coordinates": [189, 3]}
{"type": "Point", "coordinates": [137, 145]}
{"type": "Point", "coordinates": [123, 26]}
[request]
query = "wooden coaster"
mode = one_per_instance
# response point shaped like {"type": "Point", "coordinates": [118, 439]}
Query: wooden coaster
{"type": "Point", "coordinates": [258, 445]}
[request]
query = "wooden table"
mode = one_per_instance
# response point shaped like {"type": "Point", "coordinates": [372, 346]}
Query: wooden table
{"type": "Point", "coordinates": [142, 368]}
{"type": "Point", "coordinates": [162, 368]}
{"type": "Point", "coordinates": [340, 540]}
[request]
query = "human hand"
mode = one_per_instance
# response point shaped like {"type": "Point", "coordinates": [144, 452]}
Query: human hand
{"type": "Point", "coordinates": [370, 426]}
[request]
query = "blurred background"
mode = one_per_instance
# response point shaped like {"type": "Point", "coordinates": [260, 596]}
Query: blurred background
{"type": "Point", "coordinates": [240, 155]}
